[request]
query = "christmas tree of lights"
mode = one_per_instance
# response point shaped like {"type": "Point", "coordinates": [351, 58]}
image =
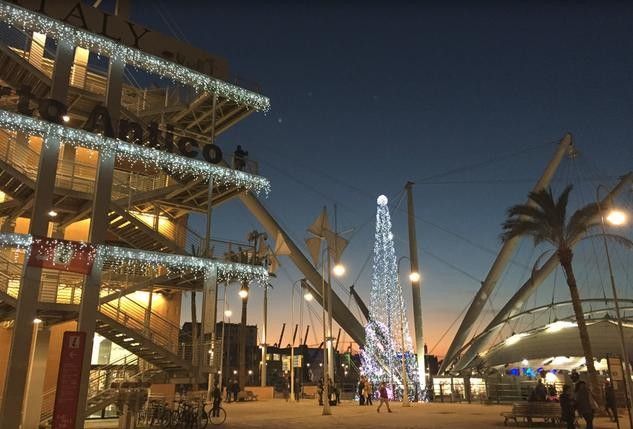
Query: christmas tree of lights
{"type": "Point", "coordinates": [387, 332]}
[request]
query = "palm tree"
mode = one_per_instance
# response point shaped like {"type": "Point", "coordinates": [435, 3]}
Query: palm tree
{"type": "Point", "coordinates": [545, 219]}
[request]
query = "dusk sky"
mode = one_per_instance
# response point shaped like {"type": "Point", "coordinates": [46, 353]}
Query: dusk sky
{"type": "Point", "coordinates": [466, 102]}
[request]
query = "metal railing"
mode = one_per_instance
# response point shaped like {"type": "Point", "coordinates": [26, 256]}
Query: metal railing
{"type": "Point", "coordinates": [99, 381]}
{"type": "Point", "coordinates": [140, 319]}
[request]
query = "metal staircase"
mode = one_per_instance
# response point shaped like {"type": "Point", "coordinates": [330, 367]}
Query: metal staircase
{"type": "Point", "coordinates": [146, 334]}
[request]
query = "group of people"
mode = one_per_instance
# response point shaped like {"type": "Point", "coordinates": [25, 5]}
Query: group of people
{"type": "Point", "coordinates": [366, 393]}
{"type": "Point", "coordinates": [232, 388]}
{"type": "Point", "coordinates": [576, 399]}
{"type": "Point", "coordinates": [330, 389]}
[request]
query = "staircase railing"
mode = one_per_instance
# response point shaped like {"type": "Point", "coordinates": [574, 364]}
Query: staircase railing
{"type": "Point", "coordinates": [99, 381]}
{"type": "Point", "coordinates": [140, 319]}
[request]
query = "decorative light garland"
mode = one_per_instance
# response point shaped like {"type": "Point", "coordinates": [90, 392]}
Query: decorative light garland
{"type": "Point", "coordinates": [382, 355]}
{"type": "Point", "coordinates": [133, 153]}
{"type": "Point", "coordinates": [226, 271]}
{"type": "Point", "coordinates": [33, 21]}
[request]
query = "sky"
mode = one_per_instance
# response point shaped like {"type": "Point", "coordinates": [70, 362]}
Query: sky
{"type": "Point", "coordinates": [467, 102]}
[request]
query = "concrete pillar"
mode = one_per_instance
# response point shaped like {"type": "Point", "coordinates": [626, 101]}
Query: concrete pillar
{"type": "Point", "coordinates": [35, 385]}
{"type": "Point", "coordinates": [98, 226]}
{"type": "Point", "coordinates": [26, 309]}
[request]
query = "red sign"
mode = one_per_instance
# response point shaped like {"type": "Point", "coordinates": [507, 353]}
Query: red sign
{"type": "Point", "coordinates": [68, 380]}
{"type": "Point", "coordinates": [75, 256]}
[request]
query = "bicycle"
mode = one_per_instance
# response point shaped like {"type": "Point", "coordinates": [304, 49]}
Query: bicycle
{"type": "Point", "coordinates": [217, 415]}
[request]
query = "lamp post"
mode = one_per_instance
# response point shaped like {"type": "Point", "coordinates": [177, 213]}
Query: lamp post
{"type": "Point", "coordinates": [616, 218]}
{"type": "Point", "coordinates": [292, 345]}
{"type": "Point", "coordinates": [414, 276]}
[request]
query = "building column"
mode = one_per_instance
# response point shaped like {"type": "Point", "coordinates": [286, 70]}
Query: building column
{"type": "Point", "coordinates": [33, 398]}
{"type": "Point", "coordinates": [98, 226]}
{"type": "Point", "coordinates": [26, 309]}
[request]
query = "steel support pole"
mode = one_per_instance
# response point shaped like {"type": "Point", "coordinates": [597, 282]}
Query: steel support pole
{"type": "Point", "coordinates": [326, 386]}
{"type": "Point", "coordinates": [330, 337]}
{"type": "Point", "coordinates": [415, 290]}
{"type": "Point", "coordinates": [623, 349]}
{"type": "Point", "coordinates": [341, 313]}
{"type": "Point", "coordinates": [503, 258]}
{"type": "Point", "coordinates": [26, 308]}
{"type": "Point", "coordinates": [264, 367]}
{"type": "Point", "coordinates": [292, 346]}
{"type": "Point", "coordinates": [39, 358]}
{"type": "Point", "coordinates": [98, 226]}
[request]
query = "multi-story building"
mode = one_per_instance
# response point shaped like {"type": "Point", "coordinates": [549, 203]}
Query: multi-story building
{"type": "Point", "coordinates": [110, 137]}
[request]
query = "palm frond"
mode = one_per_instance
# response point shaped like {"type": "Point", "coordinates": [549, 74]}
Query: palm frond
{"type": "Point", "coordinates": [544, 199]}
{"type": "Point", "coordinates": [516, 227]}
{"type": "Point", "coordinates": [533, 212]}
{"type": "Point", "coordinates": [583, 220]}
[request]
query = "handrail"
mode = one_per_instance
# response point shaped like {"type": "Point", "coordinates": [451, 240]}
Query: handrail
{"type": "Point", "coordinates": [97, 382]}
{"type": "Point", "coordinates": [146, 323]}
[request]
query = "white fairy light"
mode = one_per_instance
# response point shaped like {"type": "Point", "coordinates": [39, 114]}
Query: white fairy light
{"type": "Point", "coordinates": [135, 258]}
{"type": "Point", "coordinates": [133, 153]}
{"type": "Point", "coordinates": [33, 21]}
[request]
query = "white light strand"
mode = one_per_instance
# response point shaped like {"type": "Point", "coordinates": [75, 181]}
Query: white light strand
{"type": "Point", "coordinates": [382, 355]}
{"type": "Point", "coordinates": [33, 21]}
{"type": "Point", "coordinates": [174, 164]}
{"type": "Point", "coordinates": [225, 271]}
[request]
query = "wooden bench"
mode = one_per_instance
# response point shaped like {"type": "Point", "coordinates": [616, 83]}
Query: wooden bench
{"type": "Point", "coordinates": [526, 412]}
{"type": "Point", "coordinates": [246, 395]}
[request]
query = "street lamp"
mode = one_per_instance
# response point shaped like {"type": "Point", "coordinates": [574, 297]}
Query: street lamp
{"type": "Point", "coordinates": [243, 293]}
{"type": "Point", "coordinates": [339, 269]}
{"type": "Point", "coordinates": [618, 218]}
{"type": "Point", "coordinates": [414, 277]}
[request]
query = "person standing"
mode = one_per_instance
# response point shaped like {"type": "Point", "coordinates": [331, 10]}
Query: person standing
{"type": "Point", "coordinates": [610, 401]}
{"type": "Point", "coordinates": [227, 388]}
{"type": "Point", "coordinates": [384, 397]}
{"type": "Point", "coordinates": [369, 392]}
{"type": "Point", "coordinates": [568, 415]}
{"type": "Point", "coordinates": [361, 391]}
{"type": "Point", "coordinates": [582, 399]}
{"type": "Point", "coordinates": [236, 389]}
{"type": "Point", "coordinates": [217, 399]}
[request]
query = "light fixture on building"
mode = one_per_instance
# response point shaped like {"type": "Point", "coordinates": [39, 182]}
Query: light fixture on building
{"type": "Point", "coordinates": [228, 313]}
{"type": "Point", "coordinates": [52, 213]}
{"type": "Point", "coordinates": [37, 321]}
{"type": "Point", "coordinates": [250, 372]}
{"type": "Point", "coordinates": [65, 118]}
{"type": "Point", "coordinates": [308, 296]}
{"type": "Point", "coordinates": [234, 372]}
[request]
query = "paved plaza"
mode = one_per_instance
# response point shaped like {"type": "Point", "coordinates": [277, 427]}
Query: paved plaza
{"type": "Point", "coordinates": [306, 414]}
{"type": "Point", "coordinates": [278, 414]}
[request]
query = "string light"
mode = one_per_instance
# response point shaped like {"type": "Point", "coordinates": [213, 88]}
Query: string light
{"type": "Point", "coordinates": [33, 21]}
{"type": "Point", "coordinates": [124, 257]}
{"type": "Point", "coordinates": [382, 356]}
{"type": "Point", "coordinates": [133, 153]}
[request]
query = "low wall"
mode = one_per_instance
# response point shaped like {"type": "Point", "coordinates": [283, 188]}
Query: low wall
{"type": "Point", "coordinates": [262, 393]}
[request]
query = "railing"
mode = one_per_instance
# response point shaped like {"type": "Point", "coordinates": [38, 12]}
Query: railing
{"type": "Point", "coordinates": [99, 381]}
{"type": "Point", "coordinates": [147, 323]}
{"type": "Point", "coordinates": [89, 76]}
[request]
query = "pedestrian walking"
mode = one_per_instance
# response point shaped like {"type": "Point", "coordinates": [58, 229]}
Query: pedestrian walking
{"type": "Point", "coordinates": [236, 389]}
{"type": "Point", "coordinates": [610, 401]}
{"type": "Point", "coordinates": [384, 397]}
{"type": "Point", "coordinates": [584, 403]}
{"type": "Point", "coordinates": [567, 412]}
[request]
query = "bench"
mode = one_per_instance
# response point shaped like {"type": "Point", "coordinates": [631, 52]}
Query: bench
{"type": "Point", "coordinates": [246, 395]}
{"type": "Point", "coordinates": [526, 412]}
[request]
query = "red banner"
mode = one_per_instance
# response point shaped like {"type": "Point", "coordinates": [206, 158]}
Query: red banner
{"type": "Point", "coordinates": [68, 380]}
{"type": "Point", "coordinates": [75, 256]}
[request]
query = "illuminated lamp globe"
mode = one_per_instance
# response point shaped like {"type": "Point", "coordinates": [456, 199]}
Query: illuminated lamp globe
{"type": "Point", "coordinates": [414, 277]}
{"type": "Point", "coordinates": [228, 313]}
{"type": "Point", "coordinates": [338, 270]}
{"type": "Point", "coordinates": [243, 293]}
{"type": "Point", "coordinates": [308, 296]}
{"type": "Point", "coordinates": [382, 200]}
{"type": "Point", "coordinates": [616, 217]}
